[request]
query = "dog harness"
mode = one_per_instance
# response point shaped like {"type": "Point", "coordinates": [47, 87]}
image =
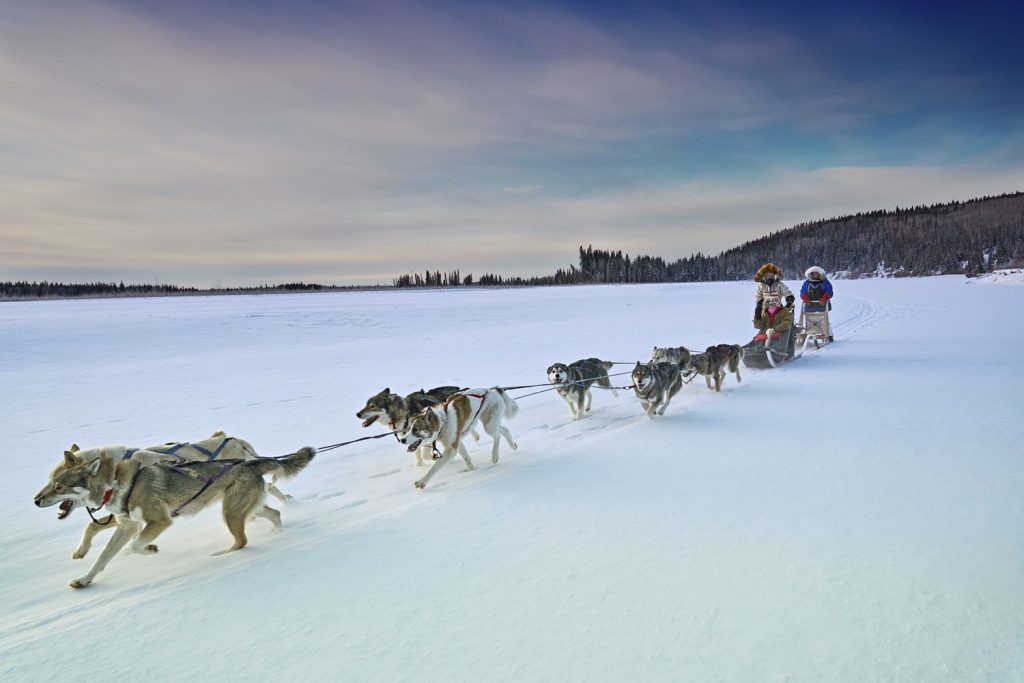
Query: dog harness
{"type": "Point", "coordinates": [184, 468]}
{"type": "Point", "coordinates": [172, 450]}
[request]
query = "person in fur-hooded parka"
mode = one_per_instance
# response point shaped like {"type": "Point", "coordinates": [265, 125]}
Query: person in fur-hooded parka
{"type": "Point", "coordinates": [817, 290]}
{"type": "Point", "coordinates": [771, 289]}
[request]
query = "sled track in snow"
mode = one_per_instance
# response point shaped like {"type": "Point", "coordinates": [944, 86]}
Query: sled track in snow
{"type": "Point", "coordinates": [863, 313]}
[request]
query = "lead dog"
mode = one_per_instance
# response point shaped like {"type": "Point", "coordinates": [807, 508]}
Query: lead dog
{"type": "Point", "coordinates": [655, 384]}
{"type": "Point", "coordinates": [396, 411]}
{"type": "Point", "coordinates": [714, 361]}
{"type": "Point", "coordinates": [145, 498]}
{"type": "Point", "coordinates": [446, 424]}
{"type": "Point", "coordinates": [218, 446]}
{"type": "Point", "coordinates": [573, 382]}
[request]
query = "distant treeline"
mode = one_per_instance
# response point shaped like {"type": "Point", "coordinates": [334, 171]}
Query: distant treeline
{"type": "Point", "coordinates": [969, 237]}
{"type": "Point", "coordinates": [59, 290]}
{"type": "Point", "coordinates": [453, 279]}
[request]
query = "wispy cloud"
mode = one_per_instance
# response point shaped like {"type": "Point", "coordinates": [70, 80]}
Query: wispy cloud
{"type": "Point", "coordinates": [339, 143]}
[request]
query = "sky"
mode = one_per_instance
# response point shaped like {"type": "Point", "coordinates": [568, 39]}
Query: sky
{"type": "Point", "coordinates": [242, 143]}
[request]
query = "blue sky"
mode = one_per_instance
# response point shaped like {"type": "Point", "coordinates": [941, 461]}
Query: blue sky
{"type": "Point", "coordinates": [240, 143]}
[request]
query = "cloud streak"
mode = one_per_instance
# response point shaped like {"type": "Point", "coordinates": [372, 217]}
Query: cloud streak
{"type": "Point", "coordinates": [337, 144]}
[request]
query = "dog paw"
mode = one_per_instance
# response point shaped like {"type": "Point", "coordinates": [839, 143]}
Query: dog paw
{"type": "Point", "coordinates": [515, 446]}
{"type": "Point", "coordinates": [419, 484]}
{"type": "Point", "coordinates": [80, 583]}
{"type": "Point", "coordinates": [79, 553]}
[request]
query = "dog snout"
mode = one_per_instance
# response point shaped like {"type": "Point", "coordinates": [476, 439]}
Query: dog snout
{"type": "Point", "coordinates": [39, 501]}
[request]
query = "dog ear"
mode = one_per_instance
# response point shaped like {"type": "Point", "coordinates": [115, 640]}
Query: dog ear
{"type": "Point", "coordinates": [94, 466]}
{"type": "Point", "coordinates": [69, 459]}
{"type": "Point", "coordinates": [74, 448]}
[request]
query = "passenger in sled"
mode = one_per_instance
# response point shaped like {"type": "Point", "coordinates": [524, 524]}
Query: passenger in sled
{"type": "Point", "coordinates": [816, 293]}
{"type": "Point", "coordinates": [771, 317]}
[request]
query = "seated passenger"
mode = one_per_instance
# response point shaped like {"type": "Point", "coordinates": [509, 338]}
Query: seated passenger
{"type": "Point", "coordinates": [816, 290]}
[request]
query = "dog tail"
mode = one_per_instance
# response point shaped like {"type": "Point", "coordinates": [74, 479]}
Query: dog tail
{"type": "Point", "coordinates": [511, 407]}
{"type": "Point", "coordinates": [288, 466]}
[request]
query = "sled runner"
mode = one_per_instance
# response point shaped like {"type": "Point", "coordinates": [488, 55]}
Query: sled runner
{"type": "Point", "coordinates": [814, 321]}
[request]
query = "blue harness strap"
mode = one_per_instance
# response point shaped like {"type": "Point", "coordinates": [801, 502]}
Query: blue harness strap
{"type": "Point", "coordinates": [186, 470]}
{"type": "Point", "coordinates": [212, 455]}
{"type": "Point", "coordinates": [172, 449]}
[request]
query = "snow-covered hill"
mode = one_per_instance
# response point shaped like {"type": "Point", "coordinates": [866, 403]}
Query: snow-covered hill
{"type": "Point", "coordinates": [854, 516]}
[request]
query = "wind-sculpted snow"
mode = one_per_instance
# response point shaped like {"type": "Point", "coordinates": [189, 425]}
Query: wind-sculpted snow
{"type": "Point", "coordinates": [855, 515]}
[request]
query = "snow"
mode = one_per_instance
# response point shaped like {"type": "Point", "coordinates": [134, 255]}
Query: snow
{"type": "Point", "coordinates": [853, 516]}
{"type": "Point", "coordinates": [1005, 276]}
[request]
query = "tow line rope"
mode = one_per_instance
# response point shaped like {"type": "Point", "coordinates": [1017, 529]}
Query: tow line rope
{"type": "Point", "coordinates": [548, 386]}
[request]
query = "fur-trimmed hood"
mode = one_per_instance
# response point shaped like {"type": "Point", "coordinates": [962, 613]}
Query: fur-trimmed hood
{"type": "Point", "coordinates": [815, 269]}
{"type": "Point", "coordinates": [765, 269]}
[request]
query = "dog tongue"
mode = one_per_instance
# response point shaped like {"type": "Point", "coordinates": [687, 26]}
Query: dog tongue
{"type": "Point", "coordinates": [65, 509]}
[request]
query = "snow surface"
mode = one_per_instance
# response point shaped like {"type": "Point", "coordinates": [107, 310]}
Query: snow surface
{"type": "Point", "coordinates": [1005, 276]}
{"type": "Point", "coordinates": [854, 516]}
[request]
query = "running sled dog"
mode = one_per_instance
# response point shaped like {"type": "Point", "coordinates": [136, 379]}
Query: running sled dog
{"type": "Point", "coordinates": [446, 424]}
{"type": "Point", "coordinates": [218, 446]}
{"type": "Point", "coordinates": [396, 411]}
{"type": "Point", "coordinates": [655, 384]}
{"type": "Point", "coordinates": [680, 355]}
{"type": "Point", "coordinates": [573, 382]}
{"type": "Point", "coordinates": [145, 498]}
{"type": "Point", "coordinates": [714, 361]}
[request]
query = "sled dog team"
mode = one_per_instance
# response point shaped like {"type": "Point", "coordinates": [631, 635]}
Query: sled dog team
{"type": "Point", "coordinates": [144, 489]}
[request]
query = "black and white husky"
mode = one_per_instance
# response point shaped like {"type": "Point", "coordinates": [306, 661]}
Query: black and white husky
{"type": "Point", "coordinates": [573, 382]}
{"type": "Point", "coordinates": [655, 384]}
{"type": "Point", "coordinates": [447, 423]}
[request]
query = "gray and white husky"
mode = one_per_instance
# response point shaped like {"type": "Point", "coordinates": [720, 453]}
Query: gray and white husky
{"type": "Point", "coordinates": [218, 447]}
{"type": "Point", "coordinates": [655, 384]}
{"type": "Point", "coordinates": [680, 355]}
{"type": "Point", "coordinates": [573, 382]}
{"type": "Point", "coordinates": [714, 362]}
{"type": "Point", "coordinates": [145, 498]}
{"type": "Point", "coordinates": [447, 423]}
{"type": "Point", "coordinates": [395, 411]}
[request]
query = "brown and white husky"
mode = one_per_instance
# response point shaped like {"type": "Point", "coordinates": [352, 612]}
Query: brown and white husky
{"type": "Point", "coordinates": [446, 424]}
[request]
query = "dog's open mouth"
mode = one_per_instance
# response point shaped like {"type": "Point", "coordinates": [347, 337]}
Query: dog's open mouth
{"type": "Point", "coordinates": [65, 508]}
{"type": "Point", "coordinates": [370, 420]}
{"type": "Point", "coordinates": [414, 446]}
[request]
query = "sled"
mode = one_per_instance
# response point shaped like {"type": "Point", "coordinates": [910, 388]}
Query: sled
{"type": "Point", "coordinates": [772, 353]}
{"type": "Point", "coordinates": [814, 324]}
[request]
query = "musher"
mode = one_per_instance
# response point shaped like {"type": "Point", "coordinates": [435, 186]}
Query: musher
{"type": "Point", "coordinates": [770, 315]}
